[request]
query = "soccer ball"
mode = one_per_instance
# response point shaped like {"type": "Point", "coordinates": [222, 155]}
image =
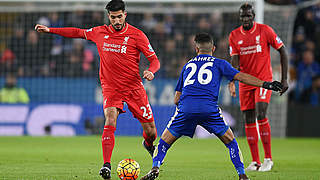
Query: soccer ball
{"type": "Point", "coordinates": [128, 169]}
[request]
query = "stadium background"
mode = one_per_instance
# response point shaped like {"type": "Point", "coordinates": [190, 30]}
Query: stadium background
{"type": "Point", "coordinates": [61, 75]}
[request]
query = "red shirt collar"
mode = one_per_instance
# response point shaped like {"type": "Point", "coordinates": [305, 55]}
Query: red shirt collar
{"type": "Point", "coordinates": [123, 30]}
{"type": "Point", "coordinates": [252, 30]}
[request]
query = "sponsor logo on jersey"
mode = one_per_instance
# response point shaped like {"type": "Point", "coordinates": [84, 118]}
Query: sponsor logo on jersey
{"type": "Point", "coordinates": [250, 49]}
{"type": "Point", "coordinates": [150, 48]}
{"type": "Point", "coordinates": [114, 48]}
{"type": "Point", "coordinates": [240, 42]}
{"type": "Point", "coordinates": [88, 30]}
{"type": "Point", "coordinates": [106, 36]}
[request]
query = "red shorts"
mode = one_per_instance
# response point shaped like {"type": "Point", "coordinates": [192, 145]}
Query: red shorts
{"type": "Point", "coordinates": [137, 101]}
{"type": "Point", "coordinates": [249, 98]}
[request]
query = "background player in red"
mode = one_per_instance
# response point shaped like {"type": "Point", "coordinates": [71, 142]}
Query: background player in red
{"type": "Point", "coordinates": [250, 53]}
{"type": "Point", "coordinates": [119, 46]}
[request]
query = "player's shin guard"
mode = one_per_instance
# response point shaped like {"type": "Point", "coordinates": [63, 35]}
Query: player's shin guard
{"type": "Point", "coordinates": [252, 138]}
{"type": "Point", "coordinates": [107, 142]}
{"type": "Point", "coordinates": [160, 153]}
{"type": "Point", "coordinates": [149, 139]}
{"type": "Point", "coordinates": [236, 156]}
{"type": "Point", "coordinates": [265, 135]}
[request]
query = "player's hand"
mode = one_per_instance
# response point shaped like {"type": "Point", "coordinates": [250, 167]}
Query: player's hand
{"type": "Point", "coordinates": [41, 28]}
{"type": "Point", "coordinates": [285, 86]}
{"type": "Point", "coordinates": [148, 75]}
{"type": "Point", "coordinates": [275, 86]}
{"type": "Point", "coordinates": [232, 89]}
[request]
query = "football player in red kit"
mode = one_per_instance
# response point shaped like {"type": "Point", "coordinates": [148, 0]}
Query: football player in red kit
{"type": "Point", "coordinates": [119, 45]}
{"type": "Point", "coordinates": [250, 53]}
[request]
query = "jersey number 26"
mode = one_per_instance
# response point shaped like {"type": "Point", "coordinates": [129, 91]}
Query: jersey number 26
{"type": "Point", "coordinates": [202, 71]}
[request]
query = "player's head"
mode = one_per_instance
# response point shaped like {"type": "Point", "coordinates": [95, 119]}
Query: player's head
{"type": "Point", "coordinates": [246, 14]}
{"type": "Point", "coordinates": [116, 14]}
{"type": "Point", "coordinates": [204, 43]}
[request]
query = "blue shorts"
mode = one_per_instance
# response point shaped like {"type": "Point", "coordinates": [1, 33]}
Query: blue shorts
{"type": "Point", "coordinates": [184, 123]}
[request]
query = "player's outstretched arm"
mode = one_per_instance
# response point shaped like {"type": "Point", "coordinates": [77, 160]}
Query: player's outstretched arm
{"type": "Point", "coordinates": [41, 28]}
{"type": "Point", "coordinates": [253, 81]}
{"type": "Point", "coordinates": [69, 32]}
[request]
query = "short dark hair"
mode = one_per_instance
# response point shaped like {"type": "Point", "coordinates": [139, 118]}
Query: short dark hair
{"type": "Point", "coordinates": [203, 38]}
{"type": "Point", "coordinates": [115, 5]}
{"type": "Point", "coordinates": [247, 6]}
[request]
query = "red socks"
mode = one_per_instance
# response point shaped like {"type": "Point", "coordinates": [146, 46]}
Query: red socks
{"type": "Point", "coordinates": [265, 135]}
{"type": "Point", "coordinates": [107, 142]}
{"type": "Point", "coordinates": [252, 138]}
{"type": "Point", "coordinates": [149, 139]}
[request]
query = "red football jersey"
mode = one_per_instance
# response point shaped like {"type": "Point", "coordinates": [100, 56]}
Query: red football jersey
{"type": "Point", "coordinates": [253, 49]}
{"type": "Point", "coordinates": [120, 55]}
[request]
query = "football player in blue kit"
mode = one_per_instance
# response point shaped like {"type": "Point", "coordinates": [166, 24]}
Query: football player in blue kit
{"type": "Point", "coordinates": [196, 98]}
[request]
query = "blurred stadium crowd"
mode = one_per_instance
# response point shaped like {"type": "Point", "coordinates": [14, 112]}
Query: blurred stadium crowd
{"type": "Point", "coordinates": [305, 57]}
{"type": "Point", "coordinates": [29, 54]}
{"type": "Point", "coordinates": [32, 54]}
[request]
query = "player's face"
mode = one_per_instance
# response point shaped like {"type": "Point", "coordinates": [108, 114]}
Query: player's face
{"type": "Point", "coordinates": [117, 19]}
{"type": "Point", "coordinates": [246, 18]}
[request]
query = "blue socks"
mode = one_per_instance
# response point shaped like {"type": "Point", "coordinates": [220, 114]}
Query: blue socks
{"type": "Point", "coordinates": [234, 152]}
{"type": "Point", "coordinates": [160, 153]}
{"type": "Point", "coordinates": [236, 156]}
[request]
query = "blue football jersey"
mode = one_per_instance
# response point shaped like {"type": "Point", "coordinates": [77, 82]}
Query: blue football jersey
{"type": "Point", "coordinates": [199, 83]}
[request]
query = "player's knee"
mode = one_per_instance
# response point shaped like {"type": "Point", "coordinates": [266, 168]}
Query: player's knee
{"type": "Point", "coordinates": [250, 116]}
{"type": "Point", "coordinates": [261, 115]}
{"type": "Point", "coordinates": [151, 132]}
{"type": "Point", "coordinates": [227, 137]}
{"type": "Point", "coordinates": [149, 128]}
{"type": "Point", "coordinates": [110, 121]}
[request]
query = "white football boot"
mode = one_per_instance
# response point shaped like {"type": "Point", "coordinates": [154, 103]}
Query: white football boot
{"type": "Point", "coordinates": [266, 165]}
{"type": "Point", "coordinates": [253, 166]}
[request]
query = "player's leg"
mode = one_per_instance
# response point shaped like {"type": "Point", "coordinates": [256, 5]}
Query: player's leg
{"type": "Point", "coordinates": [165, 142]}
{"type": "Point", "coordinates": [264, 128]}
{"type": "Point", "coordinates": [149, 135]}
{"type": "Point", "coordinates": [252, 139]}
{"type": "Point", "coordinates": [214, 123]}
{"type": "Point", "coordinates": [177, 126]}
{"type": "Point", "coordinates": [235, 153]}
{"type": "Point", "coordinates": [112, 107]}
{"type": "Point", "coordinates": [247, 105]}
{"type": "Point", "coordinates": [263, 98]}
{"type": "Point", "coordinates": [139, 105]}
{"type": "Point", "coordinates": [111, 115]}
{"type": "Point", "coordinates": [108, 139]}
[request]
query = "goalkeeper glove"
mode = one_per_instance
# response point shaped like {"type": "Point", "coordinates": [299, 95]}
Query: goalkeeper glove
{"type": "Point", "coordinates": [275, 85]}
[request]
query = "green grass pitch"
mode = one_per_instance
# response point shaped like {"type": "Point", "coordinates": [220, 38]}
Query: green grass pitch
{"type": "Point", "coordinates": [70, 158]}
